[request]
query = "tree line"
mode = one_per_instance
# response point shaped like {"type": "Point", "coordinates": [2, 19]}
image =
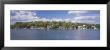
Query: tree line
{"type": "Point", "coordinates": [53, 25]}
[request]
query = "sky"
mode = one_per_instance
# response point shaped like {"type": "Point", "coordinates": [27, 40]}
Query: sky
{"type": "Point", "coordinates": [80, 16]}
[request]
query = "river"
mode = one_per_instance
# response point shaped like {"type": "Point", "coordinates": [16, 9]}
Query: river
{"type": "Point", "coordinates": [38, 34]}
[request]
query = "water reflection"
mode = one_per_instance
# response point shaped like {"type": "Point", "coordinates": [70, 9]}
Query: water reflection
{"type": "Point", "coordinates": [78, 35]}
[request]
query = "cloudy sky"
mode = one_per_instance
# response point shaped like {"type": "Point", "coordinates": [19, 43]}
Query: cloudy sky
{"type": "Point", "coordinates": [81, 16]}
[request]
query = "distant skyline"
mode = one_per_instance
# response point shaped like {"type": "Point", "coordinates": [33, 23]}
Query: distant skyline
{"type": "Point", "coordinates": [81, 16]}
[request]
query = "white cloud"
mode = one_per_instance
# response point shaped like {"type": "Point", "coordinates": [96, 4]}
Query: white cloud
{"type": "Point", "coordinates": [27, 16]}
{"type": "Point", "coordinates": [86, 19]}
{"type": "Point", "coordinates": [56, 19]}
{"type": "Point", "coordinates": [76, 12]}
{"type": "Point", "coordinates": [23, 16]}
{"type": "Point", "coordinates": [83, 19]}
{"type": "Point", "coordinates": [43, 19]}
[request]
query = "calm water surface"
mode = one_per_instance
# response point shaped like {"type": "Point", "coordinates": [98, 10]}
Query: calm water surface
{"type": "Point", "coordinates": [35, 34]}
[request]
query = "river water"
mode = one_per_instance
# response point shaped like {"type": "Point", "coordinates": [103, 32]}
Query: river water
{"type": "Point", "coordinates": [37, 34]}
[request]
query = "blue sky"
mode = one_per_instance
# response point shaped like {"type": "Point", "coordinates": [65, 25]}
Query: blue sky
{"type": "Point", "coordinates": [81, 16]}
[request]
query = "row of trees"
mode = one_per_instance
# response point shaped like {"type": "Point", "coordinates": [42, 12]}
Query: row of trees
{"type": "Point", "coordinates": [52, 25]}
